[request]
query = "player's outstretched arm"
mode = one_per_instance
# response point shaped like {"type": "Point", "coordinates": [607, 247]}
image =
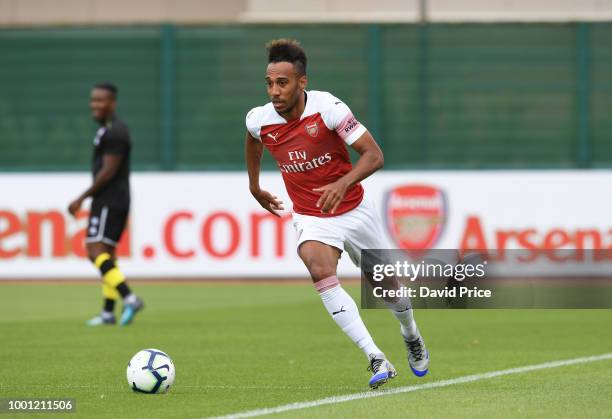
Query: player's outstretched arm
{"type": "Point", "coordinates": [253, 153]}
{"type": "Point", "coordinates": [371, 159]}
{"type": "Point", "coordinates": [110, 167]}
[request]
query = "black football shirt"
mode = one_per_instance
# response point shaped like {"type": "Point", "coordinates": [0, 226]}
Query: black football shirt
{"type": "Point", "coordinates": [113, 138]}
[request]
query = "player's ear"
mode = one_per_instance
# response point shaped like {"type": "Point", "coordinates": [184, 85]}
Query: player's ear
{"type": "Point", "coordinates": [303, 81]}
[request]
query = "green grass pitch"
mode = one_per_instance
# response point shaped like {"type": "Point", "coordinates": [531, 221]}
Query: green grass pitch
{"type": "Point", "coordinates": [240, 347]}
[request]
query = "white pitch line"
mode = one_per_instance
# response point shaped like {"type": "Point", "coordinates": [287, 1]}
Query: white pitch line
{"type": "Point", "coordinates": [409, 389]}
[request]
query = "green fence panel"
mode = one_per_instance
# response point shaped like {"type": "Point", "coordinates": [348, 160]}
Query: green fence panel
{"type": "Point", "coordinates": [601, 94]}
{"type": "Point", "coordinates": [479, 96]}
{"type": "Point", "coordinates": [45, 80]}
{"type": "Point", "coordinates": [435, 96]}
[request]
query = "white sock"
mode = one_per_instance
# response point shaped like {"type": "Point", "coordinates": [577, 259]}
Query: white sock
{"type": "Point", "coordinates": [130, 298]}
{"type": "Point", "coordinates": [345, 313]}
{"type": "Point", "coordinates": [106, 314]}
{"type": "Point", "coordinates": [402, 310]}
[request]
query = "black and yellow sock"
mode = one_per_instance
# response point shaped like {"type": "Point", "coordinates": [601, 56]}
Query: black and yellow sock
{"type": "Point", "coordinates": [110, 295]}
{"type": "Point", "coordinates": [113, 279]}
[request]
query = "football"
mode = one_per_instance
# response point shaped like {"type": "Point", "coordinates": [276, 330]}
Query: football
{"type": "Point", "coordinates": [150, 371]}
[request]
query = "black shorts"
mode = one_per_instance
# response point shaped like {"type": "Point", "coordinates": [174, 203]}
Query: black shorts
{"type": "Point", "coordinates": [106, 224]}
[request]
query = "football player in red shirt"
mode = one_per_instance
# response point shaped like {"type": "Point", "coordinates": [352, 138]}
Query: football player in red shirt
{"type": "Point", "coordinates": [307, 132]}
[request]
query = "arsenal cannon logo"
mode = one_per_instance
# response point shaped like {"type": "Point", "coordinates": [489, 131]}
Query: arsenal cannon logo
{"type": "Point", "coordinates": [415, 216]}
{"type": "Point", "coordinates": [312, 129]}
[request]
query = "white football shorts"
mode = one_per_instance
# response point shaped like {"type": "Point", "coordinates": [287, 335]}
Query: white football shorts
{"type": "Point", "coordinates": [360, 228]}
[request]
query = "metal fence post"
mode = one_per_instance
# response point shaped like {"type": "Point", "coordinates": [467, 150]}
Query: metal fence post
{"type": "Point", "coordinates": [584, 159]}
{"type": "Point", "coordinates": [423, 89]}
{"type": "Point", "coordinates": [374, 83]}
{"type": "Point", "coordinates": [168, 80]}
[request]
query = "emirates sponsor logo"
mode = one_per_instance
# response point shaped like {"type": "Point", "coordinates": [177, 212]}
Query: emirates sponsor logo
{"type": "Point", "coordinates": [306, 165]}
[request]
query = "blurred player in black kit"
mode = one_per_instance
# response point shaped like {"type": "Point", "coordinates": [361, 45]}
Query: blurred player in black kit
{"type": "Point", "coordinates": [110, 205]}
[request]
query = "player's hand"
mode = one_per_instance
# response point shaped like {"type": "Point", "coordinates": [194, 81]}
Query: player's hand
{"type": "Point", "coordinates": [75, 206]}
{"type": "Point", "coordinates": [332, 195]}
{"type": "Point", "coordinates": [268, 201]}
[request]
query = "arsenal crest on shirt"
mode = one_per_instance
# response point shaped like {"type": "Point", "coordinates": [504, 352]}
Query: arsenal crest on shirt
{"type": "Point", "coordinates": [415, 215]}
{"type": "Point", "coordinates": [312, 129]}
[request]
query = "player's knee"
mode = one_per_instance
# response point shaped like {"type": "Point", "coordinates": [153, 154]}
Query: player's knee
{"type": "Point", "coordinates": [94, 250]}
{"type": "Point", "coordinates": [92, 255]}
{"type": "Point", "coordinates": [320, 259]}
{"type": "Point", "coordinates": [319, 271]}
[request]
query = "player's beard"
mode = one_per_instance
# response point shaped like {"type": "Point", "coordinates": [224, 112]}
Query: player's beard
{"type": "Point", "coordinates": [291, 107]}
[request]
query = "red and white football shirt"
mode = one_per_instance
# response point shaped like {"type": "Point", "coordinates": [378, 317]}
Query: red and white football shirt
{"type": "Point", "coordinates": [310, 151]}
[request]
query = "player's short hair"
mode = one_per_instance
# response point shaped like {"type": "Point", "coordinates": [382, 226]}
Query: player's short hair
{"type": "Point", "coordinates": [288, 50]}
{"type": "Point", "coordinates": [109, 87]}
